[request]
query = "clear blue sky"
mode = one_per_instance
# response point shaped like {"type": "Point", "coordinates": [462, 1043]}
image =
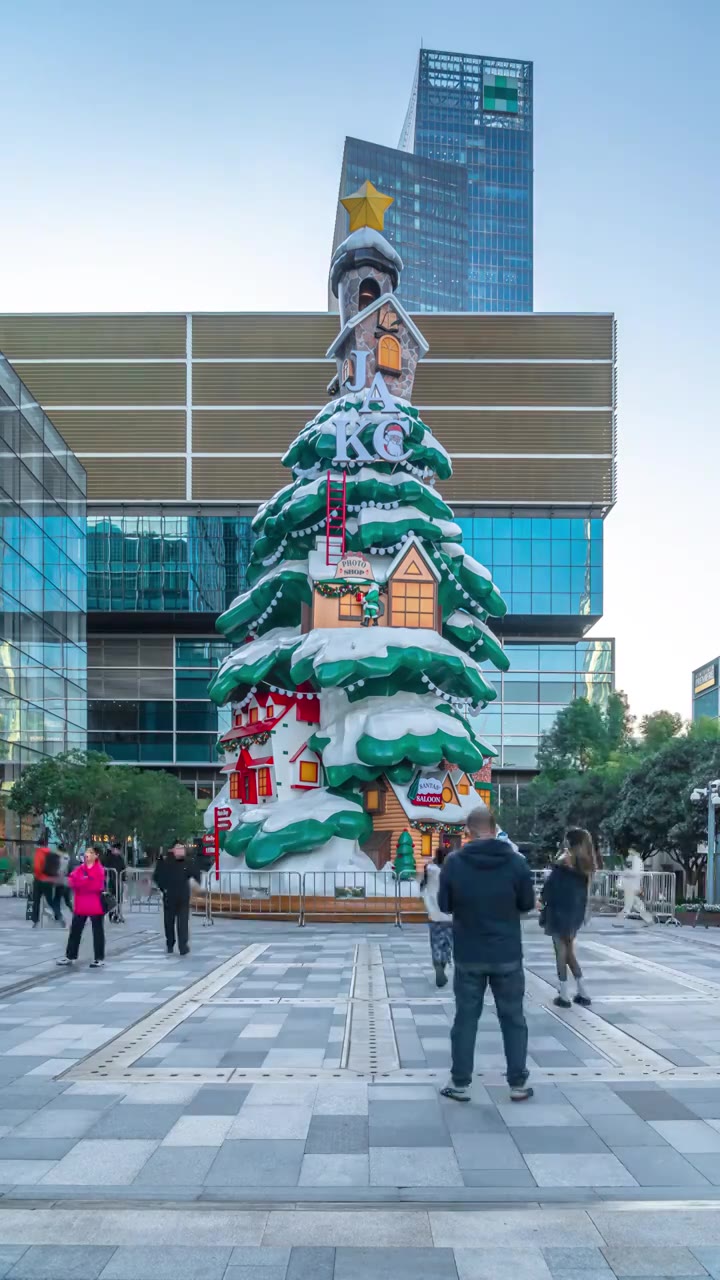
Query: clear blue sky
{"type": "Point", "coordinates": [174, 155]}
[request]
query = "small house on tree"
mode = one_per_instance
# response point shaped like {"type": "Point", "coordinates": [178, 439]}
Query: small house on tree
{"type": "Point", "coordinates": [397, 592]}
{"type": "Point", "coordinates": [266, 753]}
{"type": "Point", "coordinates": [434, 805]}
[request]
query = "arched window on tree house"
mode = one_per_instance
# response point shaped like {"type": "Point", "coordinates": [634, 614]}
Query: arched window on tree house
{"type": "Point", "coordinates": [389, 354]}
{"type": "Point", "coordinates": [369, 292]}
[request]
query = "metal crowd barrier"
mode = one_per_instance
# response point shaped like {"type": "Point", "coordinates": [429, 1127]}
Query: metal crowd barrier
{"type": "Point", "coordinates": [140, 894]}
{"type": "Point", "coordinates": [658, 894]}
{"type": "Point", "coordinates": [275, 894]}
{"type": "Point", "coordinates": [334, 895]}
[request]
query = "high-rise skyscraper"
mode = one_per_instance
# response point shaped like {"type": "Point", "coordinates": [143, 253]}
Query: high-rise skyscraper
{"type": "Point", "coordinates": [462, 183]}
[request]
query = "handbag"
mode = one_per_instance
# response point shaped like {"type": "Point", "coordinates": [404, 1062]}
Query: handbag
{"type": "Point", "coordinates": [108, 901]}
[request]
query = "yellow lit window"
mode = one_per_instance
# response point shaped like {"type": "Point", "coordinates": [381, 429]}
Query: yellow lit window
{"type": "Point", "coordinates": [269, 711]}
{"type": "Point", "coordinates": [426, 845]}
{"type": "Point", "coordinates": [234, 786]}
{"type": "Point", "coordinates": [464, 787]}
{"type": "Point", "coordinates": [308, 771]}
{"type": "Point", "coordinates": [413, 604]}
{"type": "Point", "coordinates": [253, 715]}
{"type": "Point", "coordinates": [264, 784]}
{"type": "Point", "coordinates": [448, 796]}
{"type": "Point", "coordinates": [389, 354]}
{"type": "Point", "coordinates": [350, 607]}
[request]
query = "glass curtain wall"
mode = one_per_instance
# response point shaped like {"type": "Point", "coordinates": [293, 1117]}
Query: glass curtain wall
{"type": "Point", "coordinates": [43, 591]}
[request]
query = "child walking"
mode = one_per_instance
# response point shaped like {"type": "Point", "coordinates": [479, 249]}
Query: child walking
{"type": "Point", "coordinates": [564, 896]}
{"type": "Point", "coordinates": [441, 929]}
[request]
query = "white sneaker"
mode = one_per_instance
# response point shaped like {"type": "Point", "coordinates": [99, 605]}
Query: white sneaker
{"type": "Point", "coordinates": [97, 964]}
{"type": "Point", "coordinates": [64, 961]}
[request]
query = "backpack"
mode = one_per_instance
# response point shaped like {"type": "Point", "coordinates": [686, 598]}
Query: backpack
{"type": "Point", "coordinates": [51, 865]}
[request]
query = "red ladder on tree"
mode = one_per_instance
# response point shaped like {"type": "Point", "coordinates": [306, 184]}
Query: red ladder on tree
{"type": "Point", "coordinates": [335, 512]}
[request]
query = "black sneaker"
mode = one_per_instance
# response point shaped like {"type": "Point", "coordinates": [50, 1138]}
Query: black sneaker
{"type": "Point", "coordinates": [186, 952]}
{"type": "Point", "coordinates": [170, 950]}
{"type": "Point", "coordinates": [584, 1001]}
{"type": "Point", "coordinates": [97, 964]}
{"type": "Point", "coordinates": [562, 1003]}
{"type": "Point", "coordinates": [440, 976]}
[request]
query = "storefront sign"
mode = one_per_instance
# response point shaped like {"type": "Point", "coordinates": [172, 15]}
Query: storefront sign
{"type": "Point", "coordinates": [705, 678]}
{"type": "Point", "coordinates": [427, 793]}
{"type": "Point", "coordinates": [354, 568]}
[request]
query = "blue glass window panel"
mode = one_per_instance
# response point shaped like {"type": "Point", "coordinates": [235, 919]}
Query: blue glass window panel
{"type": "Point", "coordinates": [502, 527]}
{"type": "Point", "coordinates": [579, 553]}
{"type": "Point", "coordinates": [482, 526]}
{"type": "Point", "coordinates": [196, 717]}
{"type": "Point", "coordinates": [541, 603]}
{"type": "Point", "coordinates": [561, 552]}
{"type": "Point", "coordinates": [521, 527]}
{"type": "Point", "coordinates": [523, 657]}
{"type": "Point", "coordinates": [520, 722]}
{"type": "Point", "coordinates": [578, 528]}
{"type": "Point", "coordinates": [557, 690]}
{"type": "Point", "coordinates": [519, 757]}
{"type": "Point", "coordinates": [191, 748]}
{"type": "Point", "coordinates": [502, 552]}
{"type": "Point", "coordinates": [541, 580]}
{"type": "Point", "coordinates": [596, 553]}
{"type": "Point", "coordinates": [579, 579]}
{"type": "Point", "coordinates": [557, 657]}
{"type": "Point", "coordinates": [560, 529]}
{"type": "Point", "coordinates": [521, 551]}
{"type": "Point", "coordinates": [522, 579]}
{"type": "Point", "coordinates": [522, 603]}
{"type": "Point", "coordinates": [596, 580]}
{"type": "Point", "coordinates": [560, 579]}
{"type": "Point", "coordinates": [520, 689]}
{"type": "Point", "coordinates": [596, 528]}
{"type": "Point", "coordinates": [156, 749]}
{"type": "Point", "coordinates": [191, 686]}
{"type": "Point", "coordinates": [541, 554]}
{"type": "Point", "coordinates": [503, 580]}
{"type": "Point", "coordinates": [561, 603]}
{"type": "Point", "coordinates": [540, 528]}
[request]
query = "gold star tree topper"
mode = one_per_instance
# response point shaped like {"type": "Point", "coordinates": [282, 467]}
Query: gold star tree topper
{"type": "Point", "coordinates": [366, 207]}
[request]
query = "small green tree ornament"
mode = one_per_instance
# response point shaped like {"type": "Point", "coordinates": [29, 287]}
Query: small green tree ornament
{"type": "Point", "coordinates": [404, 866]}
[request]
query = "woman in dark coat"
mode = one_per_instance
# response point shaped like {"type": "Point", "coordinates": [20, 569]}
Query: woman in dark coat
{"type": "Point", "coordinates": [564, 897]}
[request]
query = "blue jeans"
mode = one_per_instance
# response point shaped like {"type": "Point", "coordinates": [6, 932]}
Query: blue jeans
{"type": "Point", "coordinates": [508, 988]}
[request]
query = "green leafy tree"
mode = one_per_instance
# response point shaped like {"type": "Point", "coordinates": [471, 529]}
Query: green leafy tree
{"type": "Point", "coordinates": [69, 791]}
{"type": "Point", "coordinates": [150, 804]}
{"type": "Point", "coordinates": [654, 812]}
{"type": "Point", "coordinates": [659, 727]}
{"type": "Point", "coordinates": [585, 735]}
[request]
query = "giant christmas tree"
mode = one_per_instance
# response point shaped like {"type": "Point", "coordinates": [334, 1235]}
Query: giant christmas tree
{"type": "Point", "coordinates": [364, 621]}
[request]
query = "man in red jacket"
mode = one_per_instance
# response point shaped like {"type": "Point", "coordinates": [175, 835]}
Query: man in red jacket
{"type": "Point", "coordinates": [46, 871]}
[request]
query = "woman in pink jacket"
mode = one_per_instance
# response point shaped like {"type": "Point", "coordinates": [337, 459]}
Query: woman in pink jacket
{"type": "Point", "coordinates": [87, 882]}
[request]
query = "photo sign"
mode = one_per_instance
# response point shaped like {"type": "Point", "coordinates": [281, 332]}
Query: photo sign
{"type": "Point", "coordinates": [354, 568]}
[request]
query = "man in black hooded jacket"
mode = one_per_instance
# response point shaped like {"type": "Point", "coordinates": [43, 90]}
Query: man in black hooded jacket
{"type": "Point", "coordinates": [486, 886]}
{"type": "Point", "coordinates": [172, 875]}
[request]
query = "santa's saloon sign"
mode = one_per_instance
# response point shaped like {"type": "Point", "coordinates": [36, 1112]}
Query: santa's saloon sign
{"type": "Point", "coordinates": [388, 441]}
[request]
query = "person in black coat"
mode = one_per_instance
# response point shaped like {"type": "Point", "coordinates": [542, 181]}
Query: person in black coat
{"type": "Point", "coordinates": [486, 887]}
{"type": "Point", "coordinates": [172, 875]}
{"type": "Point", "coordinates": [564, 903]}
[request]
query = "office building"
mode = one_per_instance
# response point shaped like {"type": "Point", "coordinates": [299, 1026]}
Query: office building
{"type": "Point", "coordinates": [43, 693]}
{"type": "Point", "coordinates": [706, 691]}
{"type": "Point", "coordinates": [462, 185]}
{"type": "Point", "coordinates": [181, 427]}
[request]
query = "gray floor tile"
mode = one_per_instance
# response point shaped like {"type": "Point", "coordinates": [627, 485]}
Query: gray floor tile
{"type": "Point", "coordinates": [12, 1148]}
{"type": "Point", "coordinates": [498, 1178]}
{"type": "Point", "coordinates": [23, 1172]}
{"type": "Point", "coordinates": [501, 1264]}
{"type": "Point", "coordinates": [337, 1135]}
{"type": "Point", "coordinates": [487, 1151]}
{"type": "Point", "coordinates": [472, 1119]}
{"type": "Point", "coordinates": [252, 1256]}
{"type": "Point", "coordinates": [62, 1262]}
{"type": "Point", "coordinates": [176, 1167]}
{"type": "Point", "coordinates": [9, 1254]}
{"type": "Point", "coordinates": [268, 1123]}
{"type": "Point", "coordinates": [649, 1261]}
{"type": "Point", "coordinates": [537, 1138]}
{"type": "Point", "coordinates": [171, 1262]}
{"type": "Point", "coordinates": [51, 1123]}
{"type": "Point", "coordinates": [569, 1170]}
{"type": "Point", "coordinates": [626, 1131]}
{"type": "Point", "coordinates": [308, 1263]}
{"type": "Point", "coordinates": [654, 1104]}
{"type": "Point", "coordinates": [101, 1162]}
{"type": "Point", "coordinates": [135, 1122]}
{"type": "Point", "coordinates": [334, 1171]}
{"type": "Point", "coordinates": [223, 1100]}
{"type": "Point", "coordinates": [262, 1164]}
{"type": "Point", "coordinates": [255, 1273]}
{"type": "Point", "coordinates": [394, 1264]}
{"type": "Point", "coordinates": [709, 1256]}
{"type": "Point", "coordinates": [414, 1167]}
{"type": "Point", "coordinates": [561, 1259]}
{"type": "Point", "coordinates": [659, 1167]}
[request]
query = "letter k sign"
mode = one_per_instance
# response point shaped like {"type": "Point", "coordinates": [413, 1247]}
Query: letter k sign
{"type": "Point", "coordinates": [345, 442]}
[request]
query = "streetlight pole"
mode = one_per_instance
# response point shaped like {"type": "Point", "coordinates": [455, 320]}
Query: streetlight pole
{"type": "Point", "coordinates": [712, 793]}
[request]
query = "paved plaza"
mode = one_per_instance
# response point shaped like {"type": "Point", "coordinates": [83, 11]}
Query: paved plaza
{"type": "Point", "coordinates": [268, 1108]}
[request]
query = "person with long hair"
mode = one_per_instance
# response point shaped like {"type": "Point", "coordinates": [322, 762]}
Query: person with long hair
{"type": "Point", "coordinates": [87, 883]}
{"type": "Point", "coordinates": [564, 900]}
{"type": "Point", "coordinates": [441, 925]}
